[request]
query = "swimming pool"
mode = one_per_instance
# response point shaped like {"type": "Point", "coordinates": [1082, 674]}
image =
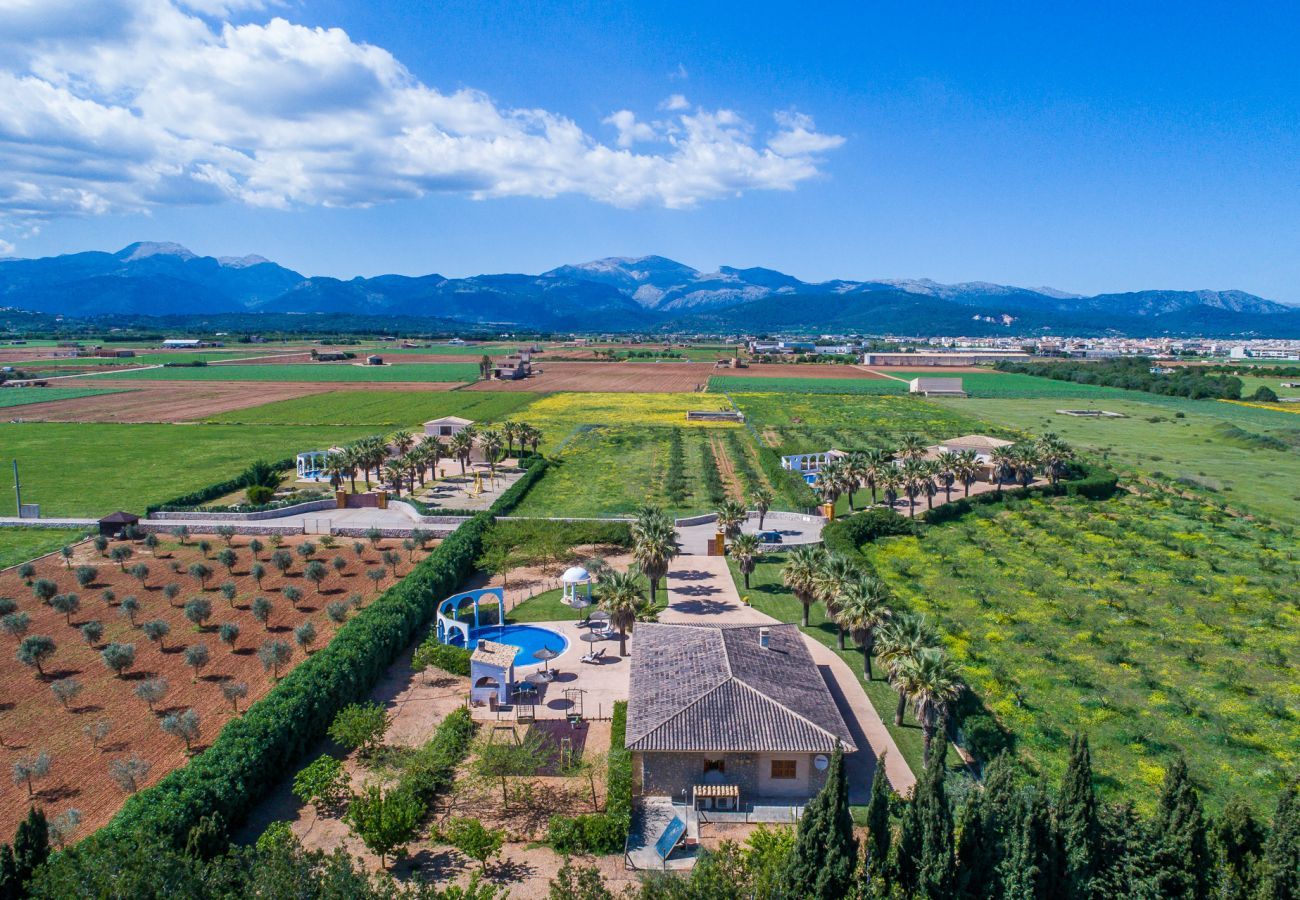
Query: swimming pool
{"type": "Point", "coordinates": [528, 638]}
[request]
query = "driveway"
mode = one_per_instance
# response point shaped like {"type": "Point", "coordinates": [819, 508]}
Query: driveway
{"type": "Point", "coordinates": [701, 591]}
{"type": "Point", "coordinates": [793, 528]}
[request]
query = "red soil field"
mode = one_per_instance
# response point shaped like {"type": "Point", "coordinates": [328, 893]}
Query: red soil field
{"type": "Point", "coordinates": [32, 719]}
{"type": "Point", "coordinates": [613, 377]}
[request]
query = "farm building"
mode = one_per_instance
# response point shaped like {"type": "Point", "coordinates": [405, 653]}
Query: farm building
{"type": "Point", "coordinates": [513, 367]}
{"type": "Point", "coordinates": [923, 359]}
{"type": "Point", "coordinates": [374, 360]}
{"type": "Point", "coordinates": [936, 387]}
{"type": "Point", "coordinates": [445, 427]}
{"type": "Point", "coordinates": [183, 344]}
{"type": "Point", "coordinates": [731, 717]}
{"type": "Point", "coordinates": [123, 354]}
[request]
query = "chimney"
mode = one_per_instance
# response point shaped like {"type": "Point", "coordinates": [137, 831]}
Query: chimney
{"type": "Point", "coordinates": [481, 642]}
{"type": "Point", "coordinates": [764, 638]}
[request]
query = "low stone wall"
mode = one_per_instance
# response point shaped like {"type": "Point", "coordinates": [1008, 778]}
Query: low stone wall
{"type": "Point", "coordinates": [395, 532]}
{"type": "Point", "coordinates": [240, 527]}
{"type": "Point", "coordinates": [778, 515]}
{"type": "Point", "coordinates": [260, 516]}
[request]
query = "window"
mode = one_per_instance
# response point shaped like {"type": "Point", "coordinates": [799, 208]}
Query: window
{"type": "Point", "coordinates": [715, 765]}
{"type": "Point", "coordinates": [783, 768]}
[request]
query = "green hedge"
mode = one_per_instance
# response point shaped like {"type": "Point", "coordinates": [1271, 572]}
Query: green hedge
{"type": "Point", "coordinates": [211, 492]}
{"type": "Point", "coordinates": [1083, 480]}
{"type": "Point", "coordinates": [786, 482]}
{"type": "Point", "coordinates": [606, 832]}
{"type": "Point", "coordinates": [431, 770]}
{"type": "Point", "coordinates": [847, 535]}
{"type": "Point", "coordinates": [254, 751]}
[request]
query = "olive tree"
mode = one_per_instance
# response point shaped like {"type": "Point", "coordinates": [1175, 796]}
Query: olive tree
{"type": "Point", "coordinates": [66, 690]}
{"type": "Point", "coordinates": [156, 630]}
{"type": "Point", "coordinates": [35, 651]}
{"type": "Point", "coordinates": [198, 611]}
{"type": "Point", "coordinates": [273, 654]}
{"type": "Point", "coordinates": [229, 634]}
{"type": "Point", "coordinates": [118, 657]}
{"type": "Point", "coordinates": [184, 726]}
{"type": "Point", "coordinates": [28, 770]}
{"type": "Point", "coordinates": [196, 657]}
{"type": "Point", "coordinates": [92, 631]}
{"type": "Point", "coordinates": [15, 624]}
{"type": "Point", "coordinates": [129, 773]}
{"type": "Point", "coordinates": [234, 691]}
{"type": "Point", "coordinates": [152, 690]}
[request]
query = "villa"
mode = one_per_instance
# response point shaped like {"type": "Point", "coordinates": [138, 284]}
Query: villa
{"type": "Point", "coordinates": [446, 427]}
{"type": "Point", "coordinates": [514, 367]}
{"type": "Point", "coordinates": [982, 444]}
{"type": "Point", "coordinates": [729, 718]}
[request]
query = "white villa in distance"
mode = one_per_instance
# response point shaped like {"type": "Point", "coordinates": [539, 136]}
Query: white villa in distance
{"type": "Point", "coordinates": [446, 427]}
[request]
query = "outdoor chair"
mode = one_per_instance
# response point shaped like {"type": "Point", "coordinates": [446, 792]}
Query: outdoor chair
{"type": "Point", "coordinates": [594, 656]}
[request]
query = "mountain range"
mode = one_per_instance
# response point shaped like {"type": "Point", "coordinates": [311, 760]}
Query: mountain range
{"type": "Point", "coordinates": [649, 293]}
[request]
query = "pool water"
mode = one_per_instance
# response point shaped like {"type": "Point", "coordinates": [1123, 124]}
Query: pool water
{"type": "Point", "coordinates": [528, 638]}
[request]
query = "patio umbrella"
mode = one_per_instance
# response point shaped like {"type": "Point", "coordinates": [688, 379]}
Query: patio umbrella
{"type": "Point", "coordinates": [600, 614]}
{"type": "Point", "coordinates": [591, 637]}
{"type": "Point", "coordinates": [546, 654]}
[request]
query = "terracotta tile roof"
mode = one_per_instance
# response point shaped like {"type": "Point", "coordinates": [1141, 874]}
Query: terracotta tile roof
{"type": "Point", "coordinates": [702, 688]}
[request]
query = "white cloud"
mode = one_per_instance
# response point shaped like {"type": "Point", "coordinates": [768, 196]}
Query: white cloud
{"type": "Point", "coordinates": [160, 104]}
{"type": "Point", "coordinates": [6, 248]}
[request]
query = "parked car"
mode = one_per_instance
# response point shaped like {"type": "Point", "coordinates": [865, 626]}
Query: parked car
{"type": "Point", "coordinates": [769, 537]}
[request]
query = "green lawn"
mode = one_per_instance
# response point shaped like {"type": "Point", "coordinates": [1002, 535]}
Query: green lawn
{"type": "Point", "coordinates": [743, 384]}
{"type": "Point", "coordinates": [382, 408]}
{"type": "Point", "coordinates": [18, 545]}
{"type": "Point", "coordinates": [1204, 450]}
{"type": "Point", "coordinates": [613, 470]}
{"type": "Point", "coordinates": [767, 594]}
{"type": "Point", "coordinates": [1009, 385]}
{"type": "Point", "coordinates": [1155, 625]}
{"type": "Point", "coordinates": [437, 350]}
{"type": "Point", "coordinates": [546, 607]}
{"type": "Point", "coordinates": [92, 469]}
{"type": "Point", "coordinates": [432, 372]}
{"type": "Point", "coordinates": [10, 397]}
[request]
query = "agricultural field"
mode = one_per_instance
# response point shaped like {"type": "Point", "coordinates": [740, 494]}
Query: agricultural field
{"type": "Point", "coordinates": [1155, 624]}
{"type": "Point", "coordinates": [1008, 385]}
{"type": "Point", "coordinates": [380, 408]}
{"type": "Point", "coordinates": [35, 720]}
{"type": "Point", "coordinates": [616, 377]}
{"type": "Point", "coordinates": [92, 469]}
{"type": "Point", "coordinates": [149, 359]}
{"type": "Point", "coordinates": [17, 545]}
{"type": "Point", "coordinates": [559, 414]}
{"type": "Point", "coordinates": [803, 423]}
{"type": "Point", "coordinates": [430, 372]}
{"type": "Point", "coordinates": [743, 384]}
{"type": "Point", "coordinates": [614, 470]}
{"type": "Point", "coordinates": [11, 397]}
{"type": "Point", "coordinates": [1234, 454]}
{"type": "Point", "coordinates": [436, 349]}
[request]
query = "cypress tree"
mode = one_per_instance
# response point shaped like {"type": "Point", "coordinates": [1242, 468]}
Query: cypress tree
{"type": "Point", "coordinates": [1239, 840]}
{"type": "Point", "coordinates": [924, 860]}
{"type": "Point", "coordinates": [31, 845]}
{"type": "Point", "coordinates": [1126, 860]}
{"type": "Point", "coordinates": [1182, 854]}
{"type": "Point", "coordinates": [825, 854]}
{"type": "Point", "coordinates": [10, 886]}
{"type": "Point", "coordinates": [976, 871]}
{"type": "Point", "coordinates": [879, 835]}
{"type": "Point", "coordinates": [1076, 815]}
{"type": "Point", "coordinates": [1030, 869]}
{"type": "Point", "coordinates": [999, 803]}
{"type": "Point", "coordinates": [1282, 849]}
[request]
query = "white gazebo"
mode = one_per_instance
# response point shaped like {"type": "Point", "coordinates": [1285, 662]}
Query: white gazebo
{"type": "Point", "coordinates": [311, 465]}
{"type": "Point", "coordinates": [572, 578]}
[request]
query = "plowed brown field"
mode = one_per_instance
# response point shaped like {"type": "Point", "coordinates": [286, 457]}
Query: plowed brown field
{"type": "Point", "coordinates": [32, 720]}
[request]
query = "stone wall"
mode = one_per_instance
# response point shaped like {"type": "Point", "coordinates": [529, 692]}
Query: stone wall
{"type": "Point", "coordinates": [667, 774]}
{"type": "Point", "coordinates": [261, 515]}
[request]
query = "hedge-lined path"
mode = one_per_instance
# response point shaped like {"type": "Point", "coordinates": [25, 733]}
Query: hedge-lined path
{"type": "Point", "coordinates": [701, 591]}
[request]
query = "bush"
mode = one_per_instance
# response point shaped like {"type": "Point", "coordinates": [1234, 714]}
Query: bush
{"type": "Point", "coordinates": [259, 494]}
{"type": "Point", "coordinates": [606, 832]}
{"type": "Point", "coordinates": [447, 657]}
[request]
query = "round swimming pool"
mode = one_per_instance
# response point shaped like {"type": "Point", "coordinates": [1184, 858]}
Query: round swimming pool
{"type": "Point", "coordinates": [528, 638]}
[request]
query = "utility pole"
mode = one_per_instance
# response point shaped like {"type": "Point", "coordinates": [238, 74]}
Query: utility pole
{"type": "Point", "coordinates": [18, 490]}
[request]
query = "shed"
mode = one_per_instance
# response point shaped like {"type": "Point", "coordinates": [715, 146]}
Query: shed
{"type": "Point", "coordinates": [491, 672]}
{"type": "Point", "coordinates": [374, 360]}
{"type": "Point", "coordinates": [936, 387]}
{"type": "Point", "coordinates": [113, 524]}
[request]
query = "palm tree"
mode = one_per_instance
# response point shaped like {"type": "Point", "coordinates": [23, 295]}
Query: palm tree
{"type": "Point", "coordinates": [460, 446]}
{"type": "Point", "coordinates": [832, 576]}
{"type": "Point", "coordinates": [352, 456]}
{"type": "Point", "coordinates": [945, 469]}
{"type": "Point", "coordinates": [433, 450]}
{"type": "Point", "coordinates": [968, 468]}
{"type": "Point", "coordinates": [830, 482]}
{"type": "Point", "coordinates": [761, 499]}
{"type": "Point", "coordinates": [731, 516]}
{"type": "Point", "coordinates": [491, 442]}
{"type": "Point", "coordinates": [914, 477]}
{"type": "Point", "coordinates": [874, 464]}
{"type": "Point", "coordinates": [912, 446]}
{"type": "Point", "coordinates": [620, 596]}
{"type": "Point", "coordinates": [532, 435]}
{"type": "Point", "coordinates": [402, 442]}
{"type": "Point", "coordinates": [1002, 462]}
{"type": "Point", "coordinates": [654, 544]}
{"type": "Point", "coordinates": [928, 486]}
{"type": "Point", "coordinates": [1024, 461]}
{"type": "Point", "coordinates": [800, 574]}
{"type": "Point", "coordinates": [855, 475]}
{"type": "Point", "coordinates": [745, 550]}
{"type": "Point", "coordinates": [337, 467]}
{"type": "Point", "coordinates": [864, 609]}
{"type": "Point", "coordinates": [395, 471]}
{"type": "Point", "coordinates": [891, 479]}
{"type": "Point", "coordinates": [510, 431]}
{"type": "Point", "coordinates": [931, 682]}
{"type": "Point", "coordinates": [1053, 453]}
{"type": "Point", "coordinates": [901, 640]}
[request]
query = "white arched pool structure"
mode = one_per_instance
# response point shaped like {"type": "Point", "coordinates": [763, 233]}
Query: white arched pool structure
{"type": "Point", "coordinates": [449, 622]}
{"type": "Point", "coordinates": [572, 578]}
{"type": "Point", "coordinates": [311, 465]}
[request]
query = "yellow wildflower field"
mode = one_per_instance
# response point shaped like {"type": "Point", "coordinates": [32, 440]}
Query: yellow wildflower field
{"type": "Point", "coordinates": [559, 414]}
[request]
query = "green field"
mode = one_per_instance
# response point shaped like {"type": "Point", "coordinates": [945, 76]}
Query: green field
{"type": "Point", "coordinates": [1155, 625]}
{"type": "Point", "coordinates": [742, 384]}
{"type": "Point", "coordinates": [612, 470]}
{"type": "Point", "coordinates": [1235, 454]}
{"type": "Point", "coordinates": [92, 469]}
{"type": "Point", "coordinates": [18, 545]}
{"type": "Point", "coordinates": [146, 359]}
{"type": "Point", "coordinates": [382, 408]}
{"type": "Point", "coordinates": [436, 350]}
{"type": "Point", "coordinates": [440, 372]}
{"type": "Point", "coordinates": [1008, 385]}
{"type": "Point", "coordinates": [26, 396]}
{"type": "Point", "coordinates": [559, 415]}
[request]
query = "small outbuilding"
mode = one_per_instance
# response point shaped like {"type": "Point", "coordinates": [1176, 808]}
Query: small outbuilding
{"type": "Point", "coordinates": [374, 360]}
{"type": "Point", "coordinates": [573, 579]}
{"type": "Point", "coordinates": [936, 387]}
{"type": "Point", "coordinates": [491, 672]}
{"type": "Point", "coordinates": [113, 524]}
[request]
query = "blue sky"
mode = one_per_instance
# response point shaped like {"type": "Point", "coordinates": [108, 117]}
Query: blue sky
{"type": "Point", "coordinates": [1088, 147]}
